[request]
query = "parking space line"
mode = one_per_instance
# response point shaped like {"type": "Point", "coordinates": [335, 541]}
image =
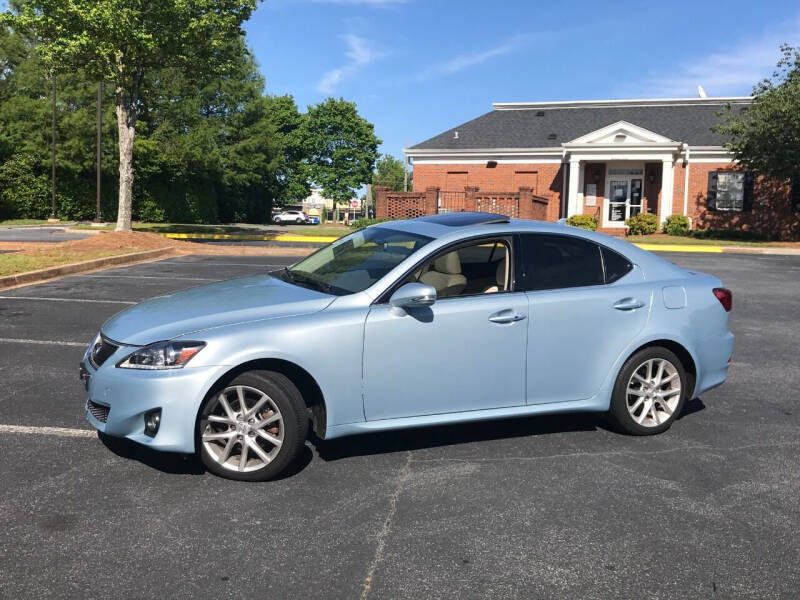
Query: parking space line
{"type": "Point", "coordinates": [43, 342]}
{"type": "Point", "coordinates": [57, 431]}
{"type": "Point", "coordinates": [50, 299]}
{"type": "Point", "coordinates": [150, 277]}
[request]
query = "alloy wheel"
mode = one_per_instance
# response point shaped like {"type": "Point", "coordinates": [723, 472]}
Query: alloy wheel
{"type": "Point", "coordinates": [653, 393]}
{"type": "Point", "coordinates": [242, 429]}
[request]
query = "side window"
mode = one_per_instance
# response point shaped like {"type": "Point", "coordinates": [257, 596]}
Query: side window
{"type": "Point", "coordinates": [615, 265]}
{"type": "Point", "coordinates": [560, 261]}
{"type": "Point", "coordinates": [480, 268]}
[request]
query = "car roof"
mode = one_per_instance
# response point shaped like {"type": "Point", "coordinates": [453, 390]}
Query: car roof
{"type": "Point", "coordinates": [451, 227]}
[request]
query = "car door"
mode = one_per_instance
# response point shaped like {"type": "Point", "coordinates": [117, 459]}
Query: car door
{"type": "Point", "coordinates": [586, 304]}
{"type": "Point", "coordinates": [465, 352]}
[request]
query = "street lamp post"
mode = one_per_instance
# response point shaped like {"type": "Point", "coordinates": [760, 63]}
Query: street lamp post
{"type": "Point", "coordinates": [99, 215]}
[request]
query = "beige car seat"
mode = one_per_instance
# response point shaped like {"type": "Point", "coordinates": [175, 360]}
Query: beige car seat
{"type": "Point", "coordinates": [445, 275]}
{"type": "Point", "coordinates": [500, 279]}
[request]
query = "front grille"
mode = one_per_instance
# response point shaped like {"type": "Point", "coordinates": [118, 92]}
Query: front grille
{"type": "Point", "coordinates": [98, 411]}
{"type": "Point", "coordinates": [101, 351]}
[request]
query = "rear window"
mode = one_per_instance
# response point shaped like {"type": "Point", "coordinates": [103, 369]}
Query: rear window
{"type": "Point", "coordinates": [616, 266]}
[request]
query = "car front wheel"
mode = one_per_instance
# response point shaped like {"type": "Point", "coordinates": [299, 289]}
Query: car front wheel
{"type": "Point", "coordinates": [253, 428]}
{"type": "Point", "coordinates": [650, 392]}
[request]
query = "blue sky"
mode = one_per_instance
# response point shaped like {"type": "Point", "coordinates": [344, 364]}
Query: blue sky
{"type": "Point", "coordinates": [418, 67]}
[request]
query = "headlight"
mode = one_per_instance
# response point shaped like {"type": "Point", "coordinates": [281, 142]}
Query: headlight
{"type": "Point", "coordinates": [162, 355]}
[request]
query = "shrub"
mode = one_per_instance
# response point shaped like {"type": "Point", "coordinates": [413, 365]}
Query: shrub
{"type": "Point", "coordinates": [362, 223]}
{"type": "Point", "coordinates": [583, 221]}
{"type": "Point", "coordinates": [23, 193]}
{"type": "Point", "coordinates": [735, 235]}
{"type": "Point", "coordinates": [677, 225]}
{"type": "Point", "coordinates": [642, 224]}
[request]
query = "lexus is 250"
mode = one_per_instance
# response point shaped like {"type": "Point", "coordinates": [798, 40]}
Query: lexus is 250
{"type": "Point", "coordinates": [442, 319]}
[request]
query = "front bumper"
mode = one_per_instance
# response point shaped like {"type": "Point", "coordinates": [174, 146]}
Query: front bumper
{"type": "Point", "coordinates": [130, 393]}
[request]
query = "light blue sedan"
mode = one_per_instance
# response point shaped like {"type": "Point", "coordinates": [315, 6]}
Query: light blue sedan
{"type": "Point", "coordinates": [442, 319]}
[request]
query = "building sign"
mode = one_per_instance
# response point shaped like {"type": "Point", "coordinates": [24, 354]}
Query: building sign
{"type": "Point", "coordinates": [591, 194]}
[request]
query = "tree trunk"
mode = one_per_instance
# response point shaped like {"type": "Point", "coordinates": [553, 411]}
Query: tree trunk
{"type": "Point", "coordinates": [125, 124]}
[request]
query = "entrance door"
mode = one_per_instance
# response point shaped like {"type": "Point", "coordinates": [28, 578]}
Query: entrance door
{"type": "Point", "coordinates": [624, 199]}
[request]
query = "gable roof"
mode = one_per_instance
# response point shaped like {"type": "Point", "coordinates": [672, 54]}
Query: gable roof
{"type": "Point", "coordinates": [532, 125]}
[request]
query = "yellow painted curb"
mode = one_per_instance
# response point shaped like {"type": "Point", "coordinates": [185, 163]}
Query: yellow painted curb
{"type": "Point", "coordinates": [679, 248]}
{"type": "Point", "coordinates": [276, 237]}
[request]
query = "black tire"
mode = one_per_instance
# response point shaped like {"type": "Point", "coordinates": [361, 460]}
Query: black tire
{"type": "Point", "coordinates": [620, 397]}
{"type": "Point", "coordinates": [289, 402]}
{"type": "Point", "coordinates": [299, 221]}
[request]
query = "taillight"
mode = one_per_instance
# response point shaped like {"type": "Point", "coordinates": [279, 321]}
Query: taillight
{"type": "Point", "coordinates": [725, 298]}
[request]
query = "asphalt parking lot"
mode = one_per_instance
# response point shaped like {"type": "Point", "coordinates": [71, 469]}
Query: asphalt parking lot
{"type": "Point", "coordinates": [546, 507]}
{"type": "Point", "coordinates": [41, 234]}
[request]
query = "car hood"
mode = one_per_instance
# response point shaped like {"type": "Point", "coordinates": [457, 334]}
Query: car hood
{"type": "Point", "coordinates": [212, 305]}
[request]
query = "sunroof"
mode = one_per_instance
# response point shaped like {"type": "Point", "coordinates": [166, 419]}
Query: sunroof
{"type": "Point", "coordinates": [464, 219]}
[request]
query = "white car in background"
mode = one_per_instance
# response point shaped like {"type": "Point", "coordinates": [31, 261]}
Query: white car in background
{"type": "Point", "coordinates": [290, 216]}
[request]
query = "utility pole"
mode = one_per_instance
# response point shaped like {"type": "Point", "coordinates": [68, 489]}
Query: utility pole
{"type": "Point", "coordinates": [53, 153]}
{"type": "Point", "coordinates": [99, 215]}
{"type": "Point", "coordinates": [405, 168]}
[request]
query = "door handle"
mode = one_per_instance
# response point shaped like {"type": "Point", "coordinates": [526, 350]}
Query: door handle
{"type": "Point", "coordinates": [506, 316]}
{"type": "Point", "coordinates": [628, 304]}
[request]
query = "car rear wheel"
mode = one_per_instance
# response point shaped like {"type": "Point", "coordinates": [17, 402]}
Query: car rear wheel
{"type": "Point", "coordinates": [253, 428]}
{"type": "Point", "coordinates": [299, 221]}
{"type": "Point", "coordinates": [650, 392]}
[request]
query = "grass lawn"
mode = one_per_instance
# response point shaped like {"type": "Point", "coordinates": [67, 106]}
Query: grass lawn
{"type": "Point", "coordinates": [305, 230]}
{"type": "Point", "coordinates": [18, 222]}
{"type": "Point", "coordinates": [20, 262]}
{"type": "Point", "coordinates": [661, 239]}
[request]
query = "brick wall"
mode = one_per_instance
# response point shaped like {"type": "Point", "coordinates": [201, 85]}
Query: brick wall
{"type": "Point", "coordinates": [545, 180]}
{"type": "Point", "coordinates": [772, 214]}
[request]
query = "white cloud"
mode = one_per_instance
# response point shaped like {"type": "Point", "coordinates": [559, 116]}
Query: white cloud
{"type": "Point", "coordinates": [729, 72]}
{"type": "Point", "coordinates": [473, 59]}
{"type": "Point", "coordinates": [359, 54]}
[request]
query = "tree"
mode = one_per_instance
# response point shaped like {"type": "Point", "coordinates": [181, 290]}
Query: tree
{"type": "Point", "coordinates": [389, 171]}
{"type": "Point", "coordinates": [341, 148]}
{"type": "Point", "coordinates": [766, 138]}
{"type": "Point", "coordinates": [124, 40]}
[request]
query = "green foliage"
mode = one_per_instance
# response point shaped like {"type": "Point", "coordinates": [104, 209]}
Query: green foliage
{"type": "Point", "coordinates": [126, 40]}
{"type": "Point", "coordinates": [342, 148]}
{"type": "Point", "coordinates": [737, 235]}
{"type": "Point", "coordinates": [765, 137]}
{"type": "Point", "coordinates": [642, 224]}
{"type": "Point", "coordinates": [209, 145]}
{"type": "Point", "coordinates": [389, 172]}
{"type": "Point", "coordinates": [583, 221]}
{"type": "Point", "coordinates": [362, 223]}
{"type": "Point", "coordinates": [677, 225]}
{"type": "Point", "coordinates": [23, 193]}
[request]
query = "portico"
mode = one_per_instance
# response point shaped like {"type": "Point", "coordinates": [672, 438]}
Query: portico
{"type": "Point", "coordinates": [621, 170]}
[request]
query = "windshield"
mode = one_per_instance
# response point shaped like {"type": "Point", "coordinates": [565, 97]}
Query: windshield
{"type": "Point", "coordinates": [354, 262]}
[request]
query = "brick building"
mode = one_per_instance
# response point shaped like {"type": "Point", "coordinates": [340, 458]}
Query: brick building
{"type": "Point", "coordinates": [611, 159]}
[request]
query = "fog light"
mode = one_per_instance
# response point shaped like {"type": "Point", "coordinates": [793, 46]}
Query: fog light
{"type": "Point", "coordinates": [152, 421]}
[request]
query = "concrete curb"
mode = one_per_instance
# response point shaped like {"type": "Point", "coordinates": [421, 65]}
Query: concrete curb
{"type": "Point", "coordinates": [81, 267]}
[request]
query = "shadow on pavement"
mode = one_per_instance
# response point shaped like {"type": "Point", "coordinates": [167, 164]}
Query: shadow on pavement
{"type": "Point", "coordinates": [450, 435]}
{"type": "Point", "coordinates": [392, 441]}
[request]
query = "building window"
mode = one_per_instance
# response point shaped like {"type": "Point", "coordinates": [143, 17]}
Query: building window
{"type": "Point", "coordinates": [795, 198]}
{"type": "Point", "coordinates": [730, 191]}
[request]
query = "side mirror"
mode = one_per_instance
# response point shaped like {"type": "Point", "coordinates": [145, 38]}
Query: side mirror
{"type": "Point", "coordinates": [413, 295]}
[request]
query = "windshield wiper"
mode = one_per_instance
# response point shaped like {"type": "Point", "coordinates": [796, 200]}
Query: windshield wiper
{"type": "Point", "coordinates": [302, 279]}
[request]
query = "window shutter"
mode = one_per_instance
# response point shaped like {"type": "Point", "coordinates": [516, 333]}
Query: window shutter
{"type": "Point", "coordinates": [747, 201]}
{"type": "Point", "coordinates": [711, 194]}
{"type": "Point", "coordinates": [795, 198]}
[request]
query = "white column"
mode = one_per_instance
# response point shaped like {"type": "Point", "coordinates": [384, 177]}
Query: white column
{"type": "Point", "coordinates": [572, 197]}
{"type": "Point", "coordinates": [667, 190]}
{"type": "Point", "coordinates": [581, 187]}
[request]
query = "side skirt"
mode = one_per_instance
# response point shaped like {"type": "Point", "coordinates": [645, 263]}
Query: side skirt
{"type": "Point", "coordinates": [598, 403]}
